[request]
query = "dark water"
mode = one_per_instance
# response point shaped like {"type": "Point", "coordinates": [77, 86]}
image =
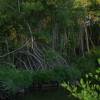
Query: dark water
{"type": "Point", "coordinates": [54, 94]}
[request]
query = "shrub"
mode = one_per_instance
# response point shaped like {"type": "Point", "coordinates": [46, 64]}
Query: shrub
{"type": "Point", "coordinates": [58, 74]}
{"type": "Point", "coordinates": [14, 80]}
{"type": "Point", "coordinates": [74, 74]}
{"type": "Point", "coordinates": [88, 63]}
{"type": "Point", "coordinates": [86, 90]}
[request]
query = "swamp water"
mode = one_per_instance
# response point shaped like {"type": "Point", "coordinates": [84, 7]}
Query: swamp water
{"type": "Point", "coordinates": [51, 94]}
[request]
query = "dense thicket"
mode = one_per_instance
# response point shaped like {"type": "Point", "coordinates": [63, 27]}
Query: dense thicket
{"type": "Point", "coordinates": [45, 42]}
{"type": "Point", "coordinates": [39, 34]}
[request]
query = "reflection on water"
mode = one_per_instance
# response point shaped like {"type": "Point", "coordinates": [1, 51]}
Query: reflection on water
{"type": "Point", "coordinates": [54, 94]}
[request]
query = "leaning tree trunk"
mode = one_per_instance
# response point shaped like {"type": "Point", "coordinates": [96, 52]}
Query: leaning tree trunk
{"type": "Point", "coordinates": [87, 39]}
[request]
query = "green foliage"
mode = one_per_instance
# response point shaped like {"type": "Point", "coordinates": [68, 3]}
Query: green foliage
{"type": "Point", "coordinates": [57, 74]}
{"type": "Point", "coordinates": [86, 90]}
{"type": "Point", "coordinates": [43, 37]}
{"type": "Point", "coordinates": [74, 73]}
{"type": "Point", "coordinates": [14, 79]}
{"type": "Point", "coordinates": [52, 23]}
{"type": "Point", "coordinates": [51, 55]}
{"type": "Point", "coordinates": [98, 60]}
{"type": "Point", "coordinates": [96, 52]}
{"type": "Point", "coordinates": [47, 18]}
{"type": "Point", "coordinates": [86, 64]}
{"type": "Point", "coordinates": [47, 76]}
{"type": "Point", "coordinates": [32, 6]}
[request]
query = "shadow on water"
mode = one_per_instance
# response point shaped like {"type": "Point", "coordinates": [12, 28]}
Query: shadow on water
{"type": "Point", "coordinates": [51, 94]}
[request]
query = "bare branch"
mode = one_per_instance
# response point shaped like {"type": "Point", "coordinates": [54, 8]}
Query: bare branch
{"type": "Point", "coordinates": [15, 50]}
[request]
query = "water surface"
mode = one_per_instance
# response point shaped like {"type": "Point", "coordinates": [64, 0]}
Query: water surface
{"type": "Point", "coordinates": [51, 94]}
